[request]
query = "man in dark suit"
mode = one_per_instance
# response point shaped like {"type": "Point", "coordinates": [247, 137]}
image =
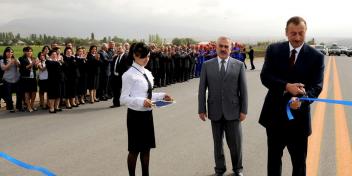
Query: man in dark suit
{"type": "Point", "coordinates": [119, 67]}
{"type": "Point", "coordinates": [224, 77]}
{"type": "Point", "coordinates": [291, 69]}
{"type": "Point", "coordinates": [251, 57]}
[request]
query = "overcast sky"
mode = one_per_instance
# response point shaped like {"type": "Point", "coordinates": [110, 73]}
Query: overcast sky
{"type": "Point", "coordinates": [202, 19]}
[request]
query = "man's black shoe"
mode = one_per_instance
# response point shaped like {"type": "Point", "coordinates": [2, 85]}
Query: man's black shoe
{"type": "Point", "coordinates": [114, 106]}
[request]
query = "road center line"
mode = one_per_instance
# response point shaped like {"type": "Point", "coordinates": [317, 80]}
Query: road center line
{"type": "Point", "coordinates": [343, 145]}
{"type": "Point", "coordinates": [314, 141]}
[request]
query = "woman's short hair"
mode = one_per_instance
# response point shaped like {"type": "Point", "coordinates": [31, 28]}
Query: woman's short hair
{"type": "Point", "coordinates": [52, 51]}
{"type": "Point", "coordinates": [27, 49]}
{"type": "Point", "coordinates": [46, 46]}
{"type": "Point", "coordinates": [91, 48]}
{"type": "Point", "coordinates": [67, 48]}
{"type": "Point", "coordinates": [141, 50]}
{"type": "Point", "coordinates": [39, 54]}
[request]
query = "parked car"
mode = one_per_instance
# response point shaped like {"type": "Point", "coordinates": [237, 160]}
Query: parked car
{"type": "Point", "coordinates": [334, 50]}
{"type": "Point", "coordinates": [322, 49]}
{"type": "Point", "coordinates": [343, 50]}
{"type": "Point", "coordinates": [349, 52]}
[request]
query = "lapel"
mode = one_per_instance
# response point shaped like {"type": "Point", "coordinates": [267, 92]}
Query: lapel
{"type": "Point", "coordinates": [286, 53]}
{"type": "Point", "coordinates": [216, 67]}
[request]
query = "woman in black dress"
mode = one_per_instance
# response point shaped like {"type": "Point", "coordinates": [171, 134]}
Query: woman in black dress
{"type": "Point", "coordinates": [137, 94]}
{"type": "Point", "coordinates": [93, 73]}
{"type": "Point", "coordinates": [82, 80]}
{"type": "Point", "coordinates": [55, 79]}
{"type": "Point", "coordinates": [28, 68]}
{"type": "Point", "coordinates": [72, 75]}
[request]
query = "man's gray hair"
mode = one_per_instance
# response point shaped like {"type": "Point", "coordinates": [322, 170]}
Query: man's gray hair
{"type": "Point", "coordinates": [224, 38]}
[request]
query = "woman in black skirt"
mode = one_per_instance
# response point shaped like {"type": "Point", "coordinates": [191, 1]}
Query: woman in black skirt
{"type": "Point", "coordinates": [137, 94]}
{"type": "Point", "coordinates": [43, 79]}
{"type": "Point", "coordinates": [28, 68]}
{"type": "Point", "coordinates": [82, 81]}
{"type": "Point", "coordinates": [55, 79]}
{"type": "Point", "coordinates": [71, 75]}
{"type": "Point", "coordinates": [93, 62]}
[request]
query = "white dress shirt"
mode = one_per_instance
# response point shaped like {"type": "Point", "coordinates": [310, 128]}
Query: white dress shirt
{"type": "Point", "coordinates": [225, 64]}
{"type": "Point", "coordinates": [43, 74]}
{"type": "Point", "coordinates": [118, 59]}
{"type": "Point", "coordinates": [297, 50]}
{"type": "Point", "coordinates": [135, 87]}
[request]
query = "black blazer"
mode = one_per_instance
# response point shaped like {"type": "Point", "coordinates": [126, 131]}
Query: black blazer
{"type": "Point", "coordinates": [308, 69]}
{"type": "Point", "coordinates": [122, 66]}
{"type": "Point", "coordinates": [25, 72]}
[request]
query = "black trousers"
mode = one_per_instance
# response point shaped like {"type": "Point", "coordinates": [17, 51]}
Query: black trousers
{"type": "Point", "coordinates": [297, 147]}
{"type": "Point", "coordinates": [252, 64]}
{"type": "Point", "coordinates": [116, 85]}
{"type": "Point", "coordinates": [7, 91]}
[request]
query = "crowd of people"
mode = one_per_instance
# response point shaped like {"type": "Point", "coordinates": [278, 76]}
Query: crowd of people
{"type": "Point", "coordinates": [77, 76]}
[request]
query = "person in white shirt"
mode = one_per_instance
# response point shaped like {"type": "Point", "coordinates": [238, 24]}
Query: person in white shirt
{"type": "Point", "coordinates": [43, 80]}
{"type": "Point", "coordinates": [137, 83]}
{"type": "Point", "coordinates": [9, 65]}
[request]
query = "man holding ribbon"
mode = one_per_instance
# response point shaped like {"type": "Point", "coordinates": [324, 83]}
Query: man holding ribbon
{"type": "Point", "coordinates": [291, 69]}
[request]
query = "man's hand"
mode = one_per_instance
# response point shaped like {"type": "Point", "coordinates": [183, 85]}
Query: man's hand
{"type": "Point", "coordinates": [242, 117]}
{"type": "Point", "coordinates": [147, 103]}
{"type": "Point", "coordinates": [203, 116]}
{"type": "Point", "coordinates": [295, 104]}
{"type": "Point", "coordinates": [295, 89]}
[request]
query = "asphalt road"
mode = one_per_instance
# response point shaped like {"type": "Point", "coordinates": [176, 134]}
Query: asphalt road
{"type": "Point", "coordinates": [92, 140]}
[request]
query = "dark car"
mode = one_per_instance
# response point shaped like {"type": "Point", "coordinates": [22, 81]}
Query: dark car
{"type": "Point", "coordinates": [349, 52]}
{"type": "Point", "coordinates": [334, 50]}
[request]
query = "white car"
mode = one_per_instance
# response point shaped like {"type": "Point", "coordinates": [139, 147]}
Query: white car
{"type": "Point", "coordinates": [322, 49]}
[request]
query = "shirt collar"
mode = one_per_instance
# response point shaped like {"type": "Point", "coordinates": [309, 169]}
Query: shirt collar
{"type": "Point", "coordinates": [140, 68]}
{"type": "Point", "coordinates": [219, 59]}
{"type": "Point", "coordinates": [297, 49]}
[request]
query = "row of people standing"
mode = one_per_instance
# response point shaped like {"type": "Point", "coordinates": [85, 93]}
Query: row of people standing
{"type": "Point", "coordinates": [96, 74]}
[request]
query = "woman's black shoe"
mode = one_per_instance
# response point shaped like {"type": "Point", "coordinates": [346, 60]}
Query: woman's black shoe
{"type": "Point", "coordinates": [52, 111]}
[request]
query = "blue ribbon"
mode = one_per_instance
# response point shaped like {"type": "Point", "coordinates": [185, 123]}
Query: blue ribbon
{"type": "Point", "coordinates": [25, 165]}
{"type": "Point", "coordinates": [341, 102]}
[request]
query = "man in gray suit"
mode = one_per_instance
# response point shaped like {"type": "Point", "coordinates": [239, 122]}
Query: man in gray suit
{"type": "Point", "coordinates": [224, 77]}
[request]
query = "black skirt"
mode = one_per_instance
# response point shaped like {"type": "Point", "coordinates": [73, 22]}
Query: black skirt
{"type": "Point", "coordinates": [54, 89]}
{"type": "Point", "coordinates": [140, 128]}
{"type": "Point", "coordinates": [71, 88]}
{"type": "Point", "coordinates": [43, 85]}
{"type": "Point", "coordinates": [29, 84]}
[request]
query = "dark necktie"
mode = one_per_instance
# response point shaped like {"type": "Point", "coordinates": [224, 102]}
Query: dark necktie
{"type": "Point", "coordinates": [222, 69]}
{"type": "Point", "coordinates": [149, 87]}
{"type": "Point", "coordinates": [292, 59]}
{"type": "Point", "coordinates": [117, 62]}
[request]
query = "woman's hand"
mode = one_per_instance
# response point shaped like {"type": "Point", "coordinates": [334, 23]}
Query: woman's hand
{"type": "Point", "coordinates": [168, 98]}
{"type": "Point", "coordinates": [147, 103]}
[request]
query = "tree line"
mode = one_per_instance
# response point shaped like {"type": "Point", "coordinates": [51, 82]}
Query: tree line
{"type": "Point", "coordinates": [10, 39]}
